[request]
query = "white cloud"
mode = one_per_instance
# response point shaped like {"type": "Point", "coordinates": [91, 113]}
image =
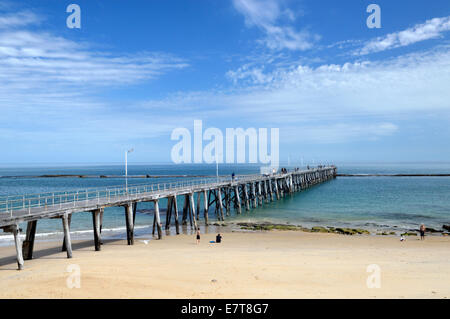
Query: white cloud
{"type": "Point", "coordinates": [30, 58]}
{"type": "Point", "coordinates": [49, 88]}
{"type": "Point", "coordinates": [340, 132]}
{"type": "Point", "coordinates": [331, 102]}
{"type": "Point", "coordinates": [18, 19]}
{"type": "Point", "coordinates": [429, 30]}
{"type": "Point", "coordinates": [266, 15]}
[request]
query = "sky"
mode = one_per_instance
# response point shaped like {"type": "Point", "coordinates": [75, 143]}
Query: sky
{"type": "Point", "coordinates": [136, 70]}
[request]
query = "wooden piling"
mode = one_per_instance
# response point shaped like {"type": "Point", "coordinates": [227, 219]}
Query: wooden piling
{"type": "Point", "coordinates": [175, 206]}
{"type": "Point", "coordinates": [266, 195]}
{"type": "Point", "coordinates": [129, 223]}
{"type": "Point", "coordinates": [238, 199]}
{"type": "Point", "coordinates": [169, 212]}
{"type": "Point", "coordinates": [277, 192]}
{"type": "Point", "coordinates": [205, 203]}
{"type": "Point", "coordinates": [255, 200]}
{"type": "Point", "coordinates": [227, 196]}
{"type": "Point", "coordinates": [191, 201]}
{"type": "Point", "coordinates": [64, 240]}
{"type": "Point", "coordinates": [259, 194]}
{"type": "Point", "coordinates": [185, 210]}
{"type": "Point", "coordinates": [16, 232]}
{"type": "Point", "coordinates": [96, 224]}
{"type": "Point", "coordinates": [198, 206]}
{"type": "Point", "coordinates": [66, 227]}
{"type": "Point", "coordinates": [219, 197]}
{"type": "Point", "coordinates": [28, 243]}
{"type": "Point", "coordinates": [158, 219]}
{"type": "Point", "coordinates": [270, 190]}
{"type": "Point", "coordinates": [134, 212]}
{"type": "Point", "coordinates": [247, 201]}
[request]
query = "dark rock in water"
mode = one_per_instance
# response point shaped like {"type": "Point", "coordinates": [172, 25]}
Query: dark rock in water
{"type": "Point", "coordinates": [446, 227]}
{"type": "Point", "coordinates": [103, 176]}
{"type": "Point", "coordinates": [320, 229]}
{"type": "Point", "coordinates": [409, 234]}
{"type": "Point", "coordinates": [351, 231]}
{"type": "Point", "coordinates": [267, 226]}
{"type": "Point", "coordinates": [432, 230]}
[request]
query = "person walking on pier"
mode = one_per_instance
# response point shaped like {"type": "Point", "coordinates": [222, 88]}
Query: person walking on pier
{"type": "Point", "coordinates": [422, 232]}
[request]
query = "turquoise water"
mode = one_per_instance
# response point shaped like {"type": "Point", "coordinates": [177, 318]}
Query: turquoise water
{"type": "Point", "coordinates": [375, 203]}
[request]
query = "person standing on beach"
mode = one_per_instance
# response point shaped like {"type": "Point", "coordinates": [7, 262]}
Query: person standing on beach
{"type": "Point", "coordinates": [198, 236]}
{"type": "Point", "coordinates": [422, 232]}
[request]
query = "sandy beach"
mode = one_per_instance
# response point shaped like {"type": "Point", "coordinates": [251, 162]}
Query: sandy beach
{"type": "Point", "coordinates": [275, 264]}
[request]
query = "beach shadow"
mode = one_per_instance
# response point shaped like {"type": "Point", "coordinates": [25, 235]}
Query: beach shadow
{"type": "Point", "coordinates": [51, 252]}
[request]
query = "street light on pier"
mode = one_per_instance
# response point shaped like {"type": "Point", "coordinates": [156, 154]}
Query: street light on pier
{"type": "Point", "coordinates": [126, 168]}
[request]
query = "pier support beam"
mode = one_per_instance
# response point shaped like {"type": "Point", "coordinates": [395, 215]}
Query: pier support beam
{"type": "Point", "coordinates": [129, 223]}
{"type": "Point", "coordinates": [192, 204]}
{"type": "Point", "coordinates": [266, 194]}
{"type": "Point", "coordinates": [270, 190]}
{"type": "Point", "coordinates": [96, 215]}
{"type": "Point", "coordinates": [101, 224]}
{"type": "Point", "coordinates": [227, 196]}
{"type": "Point", "coordinates": [185, 210]}
{"type": "Point", "coordinates": [175, 207]}
{"type": "Point", "coordinates": [255, 200]}
{"type": "Point", "coordinates": [259, 194]}
{"type": "Point", "coordinates": [66, 227]}
{"type": "Point", "coordinates": [219, 197]}
{"type": "Point", "coordinates": [247, 201]}
{"type": "Point", "coordinates": [237, 197]}
{"type": "Point", "coordinates": [277, 192]}
{"type": "Point", "coordinates": [134, 212]}
{"type": "Point", "coordinates": [16, 232]}
{"type": "Point", "coordinates": [158, 219]}
{"type": "Point", "coordinates": [198, 206]}
{"type": "Point", "coordinates": [205, 203]}
{"type": "Point", "coordinates": [64, 240]}
{"type": "Point", "coordinates": [169, 212]}
{"type": "Point", "coordinates": [28, 244]}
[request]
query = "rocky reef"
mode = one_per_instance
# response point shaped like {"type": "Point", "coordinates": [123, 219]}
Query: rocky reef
{"type": "Point", "coordinates": [315, 229]}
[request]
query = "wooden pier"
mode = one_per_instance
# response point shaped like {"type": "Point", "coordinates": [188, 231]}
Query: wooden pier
{"type": "Point", "coordinates": [219, 194]}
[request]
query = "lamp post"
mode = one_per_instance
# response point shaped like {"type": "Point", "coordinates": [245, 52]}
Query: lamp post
{"type": "Point", "coordinates": [126, 168]}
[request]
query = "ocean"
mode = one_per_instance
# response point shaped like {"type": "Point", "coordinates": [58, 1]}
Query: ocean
{"type": "Point", "coordinates": [375, 203]}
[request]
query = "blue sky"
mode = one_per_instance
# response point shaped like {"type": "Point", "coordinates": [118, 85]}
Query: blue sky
{"type": "Point", "coordinates": [337, 90]}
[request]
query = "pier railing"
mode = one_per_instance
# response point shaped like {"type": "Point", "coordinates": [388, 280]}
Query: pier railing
{"type": "Point", "coordinates": [55, 200]}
